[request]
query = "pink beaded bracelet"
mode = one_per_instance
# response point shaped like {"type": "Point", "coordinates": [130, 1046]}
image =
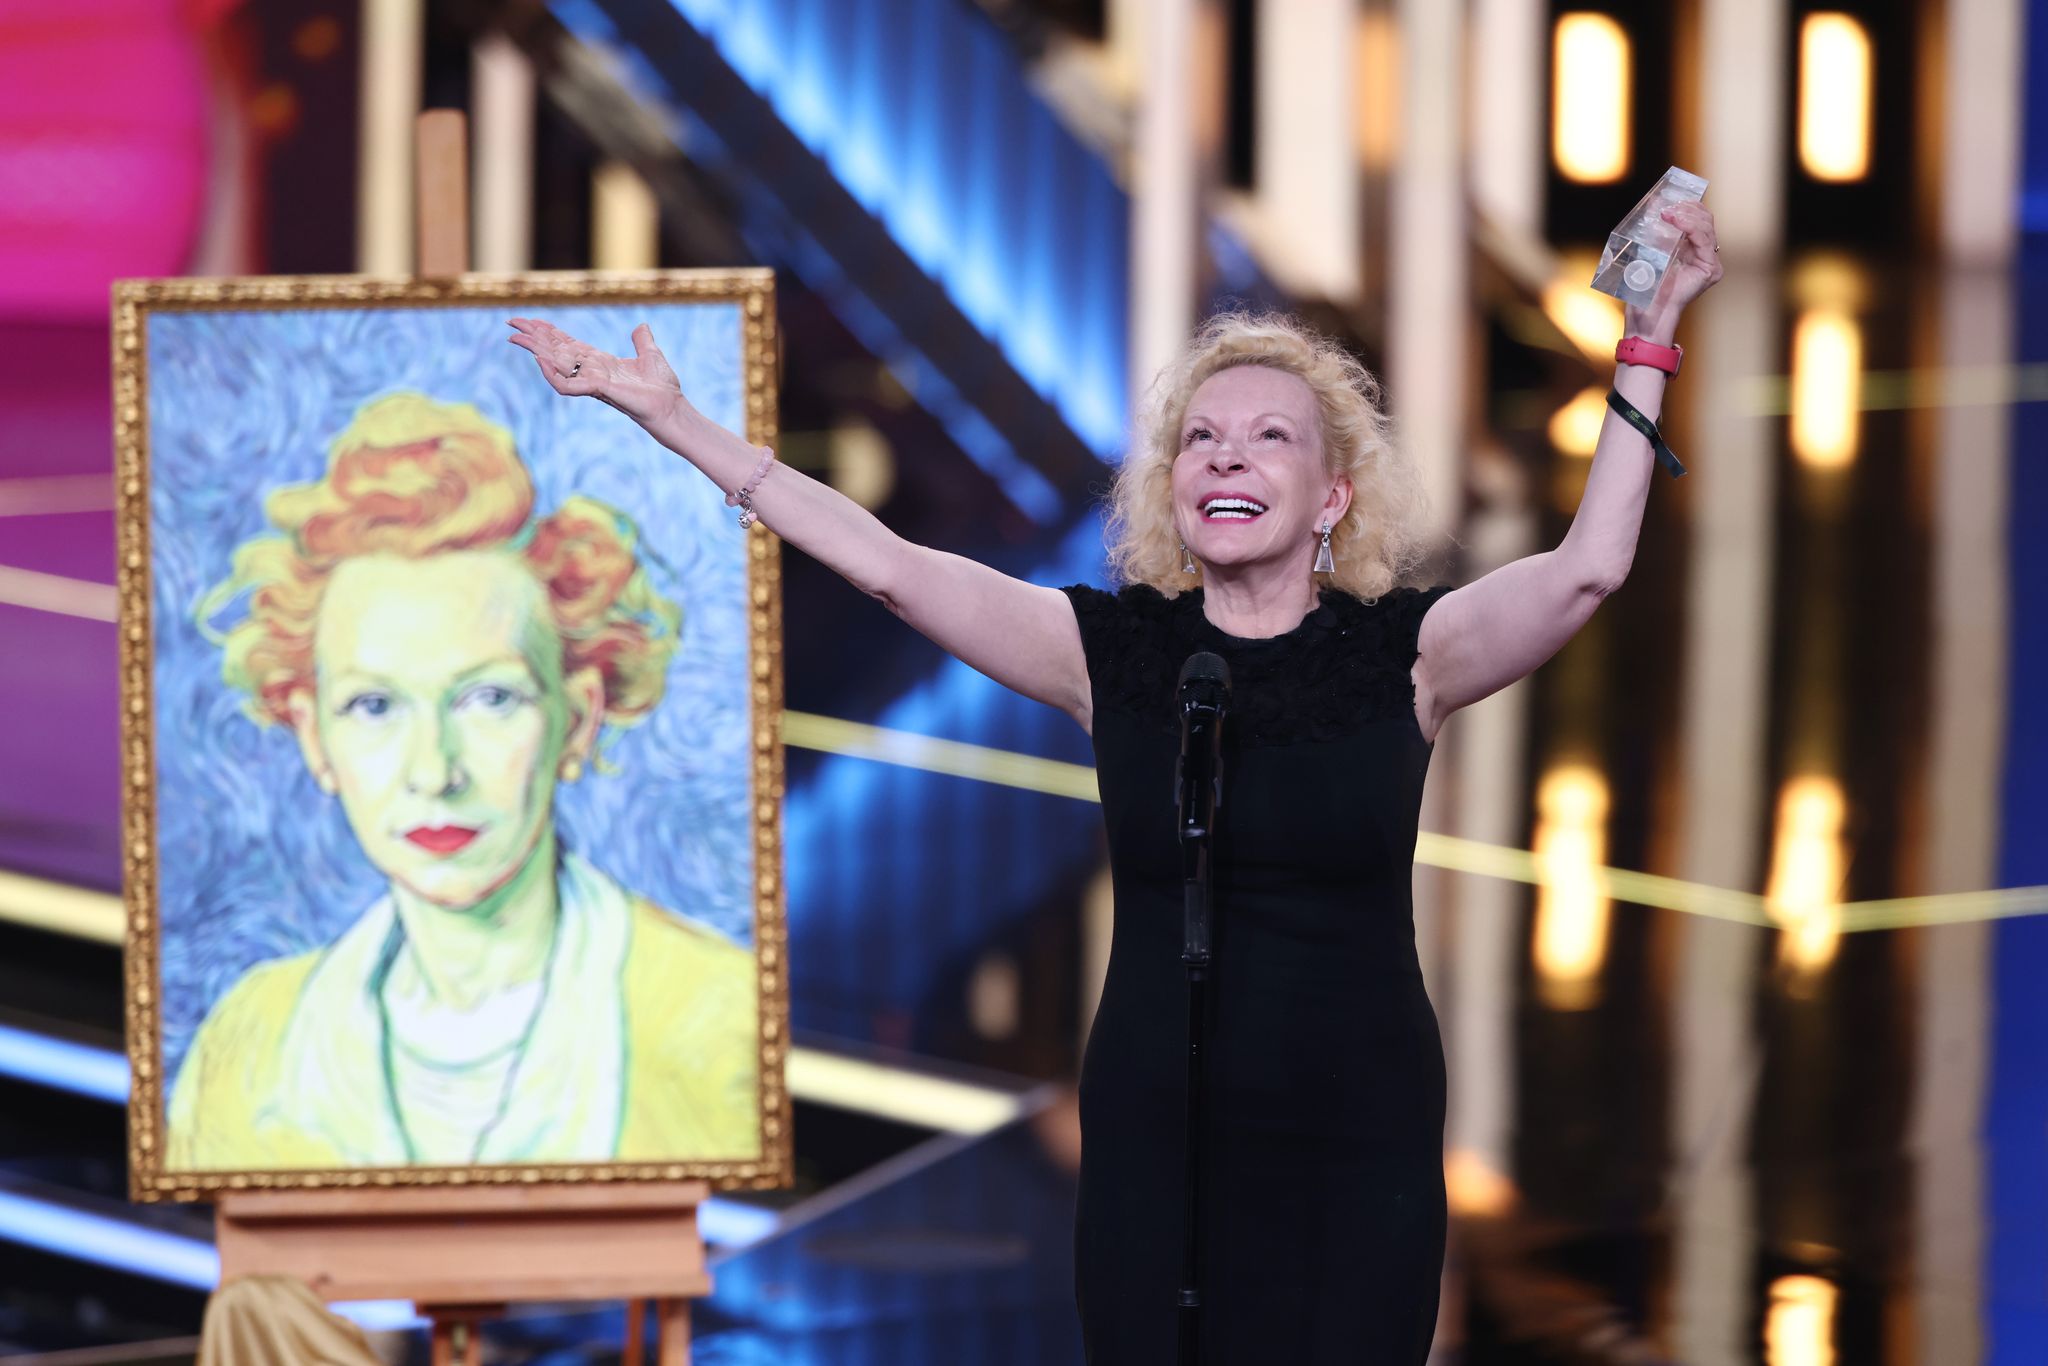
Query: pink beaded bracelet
{"type": "Point", "coordinates": [743, 497]}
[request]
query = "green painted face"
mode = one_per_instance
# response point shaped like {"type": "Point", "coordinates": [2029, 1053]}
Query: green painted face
{"type": "Point", "coordinates": [442, 714]}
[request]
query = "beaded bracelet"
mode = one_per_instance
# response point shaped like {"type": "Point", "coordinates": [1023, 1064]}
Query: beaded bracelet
{"type": "Point", "coordinates": [743, 497]}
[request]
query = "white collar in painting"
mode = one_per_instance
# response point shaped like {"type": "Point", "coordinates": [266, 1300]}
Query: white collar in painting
{"type": "Point", "coordinates": [568, 1101]}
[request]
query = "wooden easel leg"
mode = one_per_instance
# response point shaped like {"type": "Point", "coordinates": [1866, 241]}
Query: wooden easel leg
{"type": "Point", "coordinates": [458, 1336]}
{"type": "Point", "coordinates": [636, 1334]}
{"type": "Point", "coordinates": [675, 1332]}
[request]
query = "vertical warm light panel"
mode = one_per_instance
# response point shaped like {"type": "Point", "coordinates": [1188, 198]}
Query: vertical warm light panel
{"type": "Point", "coordinates": [1969, 711]}
{"type": "Point", "coordinates": [1484, 763]}
{"type": "Point", "coordinates": [1799, 1328]}
{"type": "Point", "coordinates": [1571, 906]}
{"type": "Point", "coordinates": [1741, 116]}
{"type": "Point", "coordinates": [1591, 67]}
{"type": "Point", "coordinates": [1984, 89]}
{"type": "Point", "coordinates": [625, 220]}
{"type": "Point", "coordinates": [1827, 373]}
{"type": "Point", "coordinates": [502, 87]}
{"type": "Point", "coordinates": [1808, 864]}
{"type": "Point", "coordinates": [1507, 115]}
{"type": "Point", "coordinates": [1309, 196]}
{"type": "Point", "coordinates": [1378, 89]}
{"type": "Point", "coordinates": [394, 56]}
{"type": "Point", "coordinates": [1729, 614]}
{"type": "Point", "coordinates": [1174, 153]}
{"type": "Point", "coordinates": [1428, 238]}
{"type": "Point", "coordinates": [1834, 97]}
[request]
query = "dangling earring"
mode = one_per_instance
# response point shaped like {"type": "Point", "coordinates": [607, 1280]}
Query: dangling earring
{"type": "Point", "coordinates": [1187, 559]}
{"type": "Point", "coordinates": [572, 769]}
{"type": "Point", "coordinates": [1325, 562]}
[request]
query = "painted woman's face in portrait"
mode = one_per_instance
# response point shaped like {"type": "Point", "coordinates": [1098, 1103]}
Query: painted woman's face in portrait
{"type": "Point", "coordinates": [441, 717]}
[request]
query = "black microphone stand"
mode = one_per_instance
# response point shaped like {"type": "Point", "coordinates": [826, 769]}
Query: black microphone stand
{"type": "Point", "coordinates": [1204, 686]}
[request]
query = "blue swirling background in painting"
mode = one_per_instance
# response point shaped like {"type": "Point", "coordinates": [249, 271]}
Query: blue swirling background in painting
{"type": "Point", "coordinates": [255, 861]}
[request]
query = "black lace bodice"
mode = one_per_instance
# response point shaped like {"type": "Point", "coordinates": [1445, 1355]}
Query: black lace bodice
{"type": "Point", "coordinates": [1346, 665]}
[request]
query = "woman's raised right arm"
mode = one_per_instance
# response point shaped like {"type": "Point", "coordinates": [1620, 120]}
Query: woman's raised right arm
{"type": "Point", "coordinates": [1021, 635]}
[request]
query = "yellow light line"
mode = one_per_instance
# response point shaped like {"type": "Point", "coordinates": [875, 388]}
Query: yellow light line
{"type": "Point", "coordinates": [1006, 769]}
{"type": "Point", "coordinates": [86, 914]}
{"type": "Point", "coordinates": [67, 597]}
{"type": "Point", "coordinates": [918, 1098]}
{"type": "Point", "coordinates": [1963, 386]}
{"type": "Point", "coordinates": [96, 915]}
{"type": "Point", "coordinates": [77, 911]}
{"type": "Point", "coordinates": [894, 1093]}
{"type": "Point", "coordinates": [1000, 766]}
{"type": "Point", "coordinates": [1947, 908]}
{"type": "Point", "coordinates": [1622, 884]}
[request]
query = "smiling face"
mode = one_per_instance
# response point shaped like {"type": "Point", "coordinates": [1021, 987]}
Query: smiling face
{"type": "Point", "coordinates": [1249, 486]}
{"type": "Point", "coordinates": [441, 717]}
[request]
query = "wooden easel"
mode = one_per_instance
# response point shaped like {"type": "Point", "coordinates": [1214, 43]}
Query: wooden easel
{"type": "Point", "coordinates": [464, 1253]}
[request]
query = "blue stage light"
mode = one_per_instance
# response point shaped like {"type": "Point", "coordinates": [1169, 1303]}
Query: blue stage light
{"type": "Point", "coordinates": [107, 1241]}
{"type": "Point", "coordinates": [63, 1065]}
{"type": "Point", "coordinates": [102, 1074]}
{"type": "Point", "coordinates": [731, 1225]}
{"type": "Point", "coordinates": [1001, 191]}
{"type": "Point", "coordinates": [121, 1245]}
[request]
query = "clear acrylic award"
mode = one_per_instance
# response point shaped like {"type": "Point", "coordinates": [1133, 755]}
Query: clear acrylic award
{"type": "Point", "coordinates": [1639, 250]}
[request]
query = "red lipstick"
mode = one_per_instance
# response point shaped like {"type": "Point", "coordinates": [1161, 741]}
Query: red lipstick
{"type": "Point", "coordinates": [441, 839]}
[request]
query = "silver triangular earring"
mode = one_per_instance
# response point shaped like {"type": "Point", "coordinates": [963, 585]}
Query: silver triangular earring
{"type": "Point", "coordinates": [1187, 559]}
{"type": "Point", "coordinates": [1325, 562]}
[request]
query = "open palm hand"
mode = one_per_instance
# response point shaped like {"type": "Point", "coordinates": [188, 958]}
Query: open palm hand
{"type": "Point", "coordinates": [642, 386]}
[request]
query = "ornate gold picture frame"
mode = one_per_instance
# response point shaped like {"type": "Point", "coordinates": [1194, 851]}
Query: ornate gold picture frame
{"type": "Point", "coordinates": [411, 900]}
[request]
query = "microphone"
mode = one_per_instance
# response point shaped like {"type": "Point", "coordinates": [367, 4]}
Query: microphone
{"type": "Point", "coordinates": [1204, 694]}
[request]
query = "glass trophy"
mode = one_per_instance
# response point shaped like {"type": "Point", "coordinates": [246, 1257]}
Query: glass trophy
{"type": "Point", "coordinates": [1639, 250]}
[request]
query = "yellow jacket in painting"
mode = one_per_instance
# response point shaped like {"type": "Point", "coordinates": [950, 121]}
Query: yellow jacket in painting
{"type": "Point", "coordinates": [645, 1048]}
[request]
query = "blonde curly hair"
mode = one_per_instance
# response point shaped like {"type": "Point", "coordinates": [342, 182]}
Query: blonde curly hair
{"type": "Point", "coordinates": [1385, 534]}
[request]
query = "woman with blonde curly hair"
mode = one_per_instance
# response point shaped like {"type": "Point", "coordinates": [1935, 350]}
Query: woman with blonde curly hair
{"type": "Point", "coordinates": [445, 660]}
{"type": "Point", "coordinates": [1263, 516]}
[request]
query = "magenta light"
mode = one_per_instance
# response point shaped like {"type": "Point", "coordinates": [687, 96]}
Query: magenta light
{"type": "Point", "coordinates": [103, 148]}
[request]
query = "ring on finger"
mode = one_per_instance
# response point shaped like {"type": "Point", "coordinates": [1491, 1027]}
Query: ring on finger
{"type": "Point", "coordinates": [575, 369]}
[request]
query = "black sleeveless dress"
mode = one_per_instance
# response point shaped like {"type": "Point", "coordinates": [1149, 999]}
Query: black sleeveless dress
{"type": "Point", "coordinates": [1323, 1216]}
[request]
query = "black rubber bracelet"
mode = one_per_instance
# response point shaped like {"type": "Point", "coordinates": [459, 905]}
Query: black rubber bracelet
{"type": "Point", "coordinates": [1634, 417]}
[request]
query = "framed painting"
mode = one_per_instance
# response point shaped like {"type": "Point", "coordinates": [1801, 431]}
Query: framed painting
{"type": "Point", "coordinates": [451, 775]}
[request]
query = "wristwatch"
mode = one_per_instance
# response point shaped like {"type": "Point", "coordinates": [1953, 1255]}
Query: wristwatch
{"type": "Point", "coordinates": [1636, 351]}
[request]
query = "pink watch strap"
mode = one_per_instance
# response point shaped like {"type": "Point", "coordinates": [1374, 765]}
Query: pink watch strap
{"type": "Point", "coordinates": [1636, 351]}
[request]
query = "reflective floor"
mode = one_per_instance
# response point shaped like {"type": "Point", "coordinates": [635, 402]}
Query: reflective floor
{"type": "Point", "coordinates": [959, 1251]}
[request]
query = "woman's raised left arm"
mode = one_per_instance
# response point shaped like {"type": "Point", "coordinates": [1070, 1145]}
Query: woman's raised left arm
{"type": "Point", "coordinates": [1484, 636]}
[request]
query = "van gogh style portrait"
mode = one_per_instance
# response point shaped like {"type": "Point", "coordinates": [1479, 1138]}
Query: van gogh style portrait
{"type": "Point", "coordinates": [457, 745]}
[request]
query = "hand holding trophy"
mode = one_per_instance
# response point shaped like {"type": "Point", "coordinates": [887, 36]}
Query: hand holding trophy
{"type": "Point", "coordinates": [1662, 256]}
{"type": "Point", "coordinates": [1657, 260]}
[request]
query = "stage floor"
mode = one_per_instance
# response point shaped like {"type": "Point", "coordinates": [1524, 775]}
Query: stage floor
{"type": "Point", "coordinates": [956, 1251]}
